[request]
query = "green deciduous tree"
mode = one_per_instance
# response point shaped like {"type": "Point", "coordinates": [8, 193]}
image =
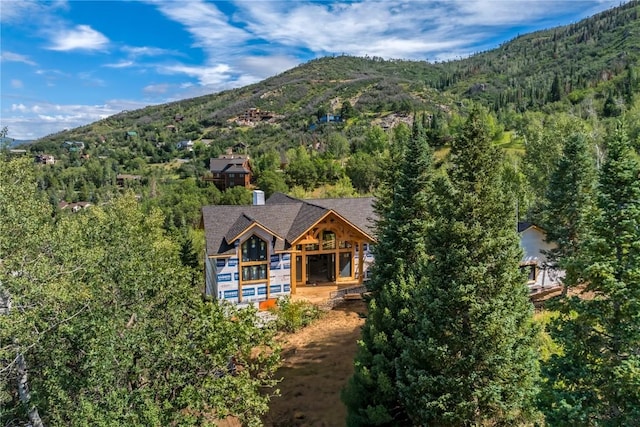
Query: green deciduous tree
{"type": "Point", "coordinates": [301, 169]}
{"type": "Point", "coordinates": [595, 380]}
{"type": "Point", "coordinates": [365, 171]}
{"type": "Point", "coordinates": [271, 182]}
{"type": "Point", "coordinates": [470, 358]}
{"type": "Point", "coordinates": [371, 395]}
{"type": "Point", "coordinates": [109, 325]}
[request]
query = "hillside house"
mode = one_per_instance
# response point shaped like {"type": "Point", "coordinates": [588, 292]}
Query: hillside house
{"type": "Point", "coordinates": [73, 207]}
{"type": "Point", "coordinates": [45, 159]}
{"type": "Point", "coordinates": [255, 115]}
{"type": "Point", "coordinates": [542, 276]}
{"type": "Point", "coordinates": [255, 253]}
{"type": "Point", "coordinates": [230, 171]}
{"type": "Point", "coordinates": [186, 145]}
{"type": "Point", "coordinates": [264, 251]}
{"type": "Point", "coordinates": [73, 146]}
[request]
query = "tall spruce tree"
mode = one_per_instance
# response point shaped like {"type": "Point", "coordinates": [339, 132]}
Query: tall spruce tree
{"type": "Point", "coordinates": [596, 379]}
{"type": "Point", "coordinates": [570, 204]}
{"type": "Point", "coordinates": [470, 358]}
{"type": "Point", "coordinates": [371, 395]}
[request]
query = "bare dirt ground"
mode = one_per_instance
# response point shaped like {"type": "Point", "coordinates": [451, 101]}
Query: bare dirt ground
{"type": "Point", "coordinates": [317, 362]}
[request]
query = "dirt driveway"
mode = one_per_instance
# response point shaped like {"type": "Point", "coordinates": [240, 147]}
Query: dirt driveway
{"type": "Point", "coordinates": [317, 362]}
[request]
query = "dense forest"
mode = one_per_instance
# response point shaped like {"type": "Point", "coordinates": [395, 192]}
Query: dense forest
{"type": "Point", "coordinates": [101, 316]}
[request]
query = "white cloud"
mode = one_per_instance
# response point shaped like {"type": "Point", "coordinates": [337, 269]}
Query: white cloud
{"type": "Point", "coordinates": [16, 57]}
{"type": "Point", "coordinates": [82, 37]}
{"type": "Point", "coordinates": [18, 107]}
{"type": "Point", "coordinates": [135, 52]}
{"type": "Point", "coordinates": [213, 75]}
{"type": "Point", "coordinates": [16, 84]}
{"type": "Point", "coordinates": [121, 64]}
{"type": "Point", "coordinates": [19, 12]}
{"type": "Point", "coordinates": [156, 89]}
{"type": "Point", "coordinates": [36, 120]}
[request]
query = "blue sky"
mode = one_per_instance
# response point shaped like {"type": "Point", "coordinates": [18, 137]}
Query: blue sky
{"type": "Point", "coordinates": [68, 63]}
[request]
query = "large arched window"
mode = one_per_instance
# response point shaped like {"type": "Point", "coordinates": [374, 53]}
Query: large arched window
{"type": "Point", "coordinates": [254, 259]}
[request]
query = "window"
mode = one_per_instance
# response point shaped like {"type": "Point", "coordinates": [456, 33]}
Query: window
{"type": "Point", "coordinates": [531, 271]}
{"type": "Point", "coordinates": [254, 259]}
{"type": "Point", "coordinates": [344, 244]}
{"type": "Point", "coordinates": [254, 272]}
{"type": "Point", "coordinates": [254, 249]}
{"type": "Point", "coordinates": [231, 175]}
{"type": "Point", "coordinates": [328, 240]}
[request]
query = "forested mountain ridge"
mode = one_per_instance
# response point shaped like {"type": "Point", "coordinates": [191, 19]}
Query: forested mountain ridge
{"type": "Point", "coordinates": [579, 65]}
{"type": "Point", "coordinates": [587, 71]}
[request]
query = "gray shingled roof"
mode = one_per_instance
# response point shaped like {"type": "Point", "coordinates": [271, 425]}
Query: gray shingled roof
{"type": "Point", "coordinates": [356, 210]}
{"type": "Point", "coordinates": [221, 164]}
{"type": "Point", "coordinates": [285, 216]}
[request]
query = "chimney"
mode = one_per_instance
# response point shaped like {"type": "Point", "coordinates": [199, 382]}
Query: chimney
{"type": "Point", "coordinates": [258, 197]}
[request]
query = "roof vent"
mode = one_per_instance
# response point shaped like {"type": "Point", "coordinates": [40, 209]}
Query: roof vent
{"type": "Point", "coordinates": [258, 197]}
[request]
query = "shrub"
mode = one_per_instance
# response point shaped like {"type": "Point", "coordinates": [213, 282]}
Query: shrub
{"type": "Point", "coordinates": [295, 315]}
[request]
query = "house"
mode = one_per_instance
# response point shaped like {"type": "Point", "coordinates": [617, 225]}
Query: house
{"type": "Point", "coordinates": [266, 250]}
{"type": "Point", "coordinates": [255, 115]}
{"type": "Point", "coordinates": [73, 146]}
{"type": "Point", "coordinates": [240, 147]}
{"type": "Point", "coordinates": [542, 276]}
{"type": "Point", "coordinates": [45, 159]}
{"type": "Point", "coordinates": [186, 145]}
{"type": "Point", "coordinates": [330, 118]}
{"type": "Point", "coordinates": [73, 207]}
{"type": "Point", "coordinates": [230, 171]}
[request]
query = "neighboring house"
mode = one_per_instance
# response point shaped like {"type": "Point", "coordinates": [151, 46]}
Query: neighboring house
{"type": "Point", "coordinates": [255, 115]}
{"type": "Point", "coordinates": [542, 276]}
{"type": "Point", "coordinates": [264, 251]}
{"type": "Point", "coordinates": [240, 147]}
{"type": "Point", "coordinates": [330, 118]}
{"type": "Point", "coordinates": [45, 159]}
{"type": "Point", "coordinates": [73, 146]}
{"type": "Point", "coordinates": [186, 145]}
{"type": "Point", "coordinates": [230, 171]}
{"type": "Point", "coordinates": [73, 207]}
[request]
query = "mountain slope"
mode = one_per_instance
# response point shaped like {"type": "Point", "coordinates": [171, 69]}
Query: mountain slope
{"type": "Point", "coordinates": [587, 60]}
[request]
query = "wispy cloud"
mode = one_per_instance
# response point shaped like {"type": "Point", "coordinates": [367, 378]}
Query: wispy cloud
{"type": "Point", "coordinates": [38, 119]}
{"type": "Point", "coordinates": [81, 37]}
{"type": "Point", "coordinates": [121, 64]}
{"type": "Point", "coordinates": [16, 84]}
{"type": "Point", "coordinates": [18, 12]}
{"type": "Point", "coordinates": [137, 51]}
{"type": "Point", "coordinates": [156, 89]}
{"type": "Point", "coordinates": [16, 57]}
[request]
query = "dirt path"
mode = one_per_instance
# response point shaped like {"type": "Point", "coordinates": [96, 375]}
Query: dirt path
{"type": "Point", "coordinates": [317, 362]}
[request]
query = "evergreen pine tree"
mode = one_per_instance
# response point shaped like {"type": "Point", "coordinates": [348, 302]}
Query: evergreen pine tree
{"type": "Point", "coordinates": [371, 396]}
{"type": "Point", "coordinates": [569, 206]}
{"type": "Point", "coordinates": [596, 379]}
{"type": "Point", "coordinates": [470, 357]}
